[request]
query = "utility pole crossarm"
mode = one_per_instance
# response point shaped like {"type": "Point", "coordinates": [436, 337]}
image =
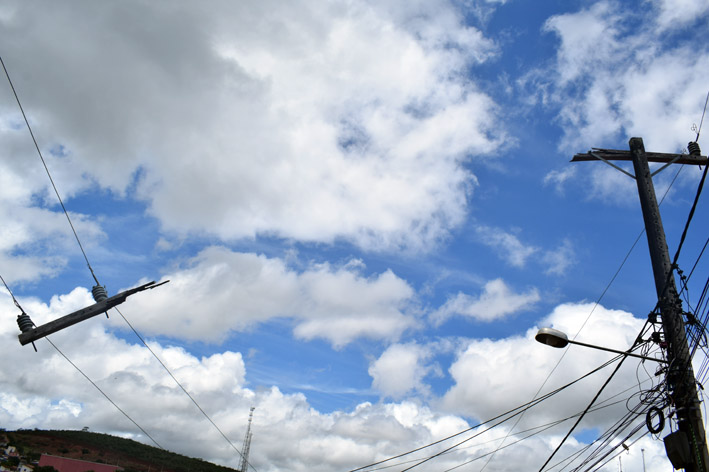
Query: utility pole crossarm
{"type": "Point", "coordinates": [83, 314]}
{"type": "Point", "coordinates": [619, 155]}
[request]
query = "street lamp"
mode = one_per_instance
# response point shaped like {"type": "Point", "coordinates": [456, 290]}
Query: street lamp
{"type": "Point", "coordinates": [555, 338]}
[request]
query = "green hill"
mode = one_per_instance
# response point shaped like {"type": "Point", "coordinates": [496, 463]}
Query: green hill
{"type": "Point", "coordinates": [104, 448]}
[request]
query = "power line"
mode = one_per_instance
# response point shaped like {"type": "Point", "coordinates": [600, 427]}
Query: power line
{"type": "Point", "coordinates": [104, 394]}
{"type": "Point", "coordinates": [17, 304]}
{"type": "Point", "coordinates": [86, 376]}
{"type": "Point", "coordinates": [596, 303]}
{"type": "Point", "coordinates": [183, 388]}
{"type": "Point", "coordinates": [66, 213]}
{"type": "Point", "coordinates": [605, 384]}
{"type": "Point", "coordinates": [34, 140]}
{"type": "Point", "coordinates": [507, 416]}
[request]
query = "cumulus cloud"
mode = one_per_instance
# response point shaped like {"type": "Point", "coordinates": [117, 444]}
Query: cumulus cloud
{"type": "Point", "coordinates": [316, 123]}
{"type": "Point", "coordinates": [43, 390]}
{"type": "Point", "coordinates": [518, 368]}
{"type": "Point", "coordinates": [400, 370]}
{"type": "Point", "coordinates": [220, 291]}
{"type": "Point", "coordinates": [496, 301]}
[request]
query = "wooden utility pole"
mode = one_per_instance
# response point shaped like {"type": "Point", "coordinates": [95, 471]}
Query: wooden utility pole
{"type": "Point", "coordinates": [686, 448]}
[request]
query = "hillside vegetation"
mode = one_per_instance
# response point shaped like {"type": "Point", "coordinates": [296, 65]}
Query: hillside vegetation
{"type": "Point", "coordinates": [104, 448]}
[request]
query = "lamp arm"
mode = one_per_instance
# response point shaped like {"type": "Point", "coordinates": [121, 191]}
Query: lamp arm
{"type": "Point", "coordinates": [625, 353]}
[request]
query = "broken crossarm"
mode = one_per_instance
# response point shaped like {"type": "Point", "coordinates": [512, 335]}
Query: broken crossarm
{"type": "Point", "coordinates": [33, 334]}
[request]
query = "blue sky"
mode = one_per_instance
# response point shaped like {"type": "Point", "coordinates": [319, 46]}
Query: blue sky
{"type": "Point", "coordinates": [365, 211]}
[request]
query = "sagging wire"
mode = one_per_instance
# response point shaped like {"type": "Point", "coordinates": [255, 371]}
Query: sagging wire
{"type": "Point", "coordinates": [602, 405]}
{"type": "Point", "coordinates": [98, 291]}
{"type": "Point", "coordinates": [506, 415]}
{"type": "Point", "coordinates": [184, 390]}
{"type": "Point", "coordinates": [647, 400]}
{"type": "Point", "coordinates": [27, 320]}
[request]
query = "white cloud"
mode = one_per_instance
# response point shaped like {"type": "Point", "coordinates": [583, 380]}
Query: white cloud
{"type": "Point", "coordinates": [315, 123]}
{"type": "Point", "coordinates": [220, 291]}
{"type": "Point", "coordinates": [400, 370]}
{"type": "Point", "coordinates": [43, 390]}
{"type": "Point", "coordinates": [507, 245]}
{"type": "Point", "coordinates": [558, 178]}
{"type": "Point", "coordinates": [511, 249]}
{"type": "Point", "coordinates": [589, 37]}
{"type": "Point", "coordinates": [680, 13]}
{"type": "Point", "coordinates": [613, 82]}
{"type": "Point", "coordinates": [515, 368]}
{"type": "Point", "coordinates": [34, 238]}
{"type": "Point", "coordinates": [495, 302]}
{"type": "Point", "coordinates": [560, 259]}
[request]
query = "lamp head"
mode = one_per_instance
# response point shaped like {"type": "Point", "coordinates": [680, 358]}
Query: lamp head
{"type": "Point", "coordinates": [552, 337]}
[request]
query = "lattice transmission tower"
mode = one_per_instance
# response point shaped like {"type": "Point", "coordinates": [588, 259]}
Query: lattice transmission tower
{"type": "Point", "coordinates": [244, 467]}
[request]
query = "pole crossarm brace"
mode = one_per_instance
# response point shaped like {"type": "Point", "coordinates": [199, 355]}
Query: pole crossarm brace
{"type": "Point", "coordinates": [83, 314]}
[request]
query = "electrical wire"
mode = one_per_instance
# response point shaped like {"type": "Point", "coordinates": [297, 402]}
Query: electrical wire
{"type": "Point", "coordinates": [17, 304]}
{"type": "Point", "coordinates": [538, 430]}
{"type": "Point", "coordinates": [609, 402]}
{"type": "Point", "coordinates": [507, 416]}
{"type": "Point", "coordinates": [84, 374]}
{"type": "Point", "coordinates": [44, 163]}
{"type": "Point", "coordinates": [81, 247]}
{"type": "Point", "coordinates": [183, 389]}
{"type": "Point", "coordinates": [598, 300]}
{"type": "Point", "coordinates": [690, 217]}
{"type": "Point", "coordinates": [605, 384]}
{"type": "Point", "coordinates": [104, 393]}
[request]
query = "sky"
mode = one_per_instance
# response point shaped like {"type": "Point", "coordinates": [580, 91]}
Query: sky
{"type": "Point", "coordinates": [365, 211]}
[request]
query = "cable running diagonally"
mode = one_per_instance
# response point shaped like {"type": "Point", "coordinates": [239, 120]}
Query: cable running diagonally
{"type": "Point", "coordinates": [17, 304]}
{"type": "Point", "coordinates": [615, 371]}
{"type": "Point", "coordinates": [181, 387]}
{"type": "Point", "coordinates": [507, 416]}
{"type": "Point", "coordinates": [596, 303]}
{"type": "Point", "coordinates": [104, 393]}
{"type": "Point", "coordinates": [66, 213]}
{"type": "Point", "coordinates": [44, 163]}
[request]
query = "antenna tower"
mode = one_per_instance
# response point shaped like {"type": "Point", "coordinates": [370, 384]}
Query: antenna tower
{"type": "Point", "coordinates": [244, 466]}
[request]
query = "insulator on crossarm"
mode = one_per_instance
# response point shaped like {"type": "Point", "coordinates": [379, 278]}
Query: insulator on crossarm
{"type": "Point", "coordinates": [693, 149]}
{"type": "Point", "coordinates": [99, 293]}
{"type": "Point", "coordinates": [24, 322]}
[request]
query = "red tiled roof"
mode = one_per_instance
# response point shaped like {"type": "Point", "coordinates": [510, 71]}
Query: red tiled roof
{"type": "Point", "coordinates": [64, 464]}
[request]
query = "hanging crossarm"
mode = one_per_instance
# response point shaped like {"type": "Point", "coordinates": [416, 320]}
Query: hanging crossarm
{"type": "Point", "coordinates": [38, 332]}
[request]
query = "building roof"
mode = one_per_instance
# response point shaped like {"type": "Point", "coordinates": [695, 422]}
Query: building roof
{"type": "Point", "coordinates": [64, 464]}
